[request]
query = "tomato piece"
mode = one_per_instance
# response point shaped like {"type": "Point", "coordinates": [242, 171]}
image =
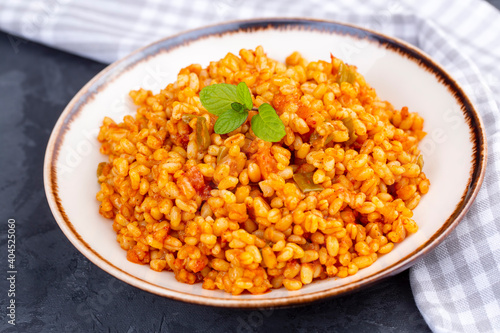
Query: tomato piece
{"type": "Point", "coordinates": [266, 162]}
{"type": "Point", "coordinates": [137, 256]}
{"type": "Point", "coordinates": [280, 101]}
{"type": "Point", "coordinates": [198, 182]}
{"type": "Point", "coordinates": [304, 111]}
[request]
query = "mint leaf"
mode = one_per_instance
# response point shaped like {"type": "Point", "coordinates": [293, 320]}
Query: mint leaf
{"type": "Point", "coordinates": [231, 104]}
{"type": "Point", "coordinates": [229, 121]}
{"type": "Point", "coordinates": [217, 98]}
{"type": "Point", "coordinates": [267, 125]}
{"type": "Point", "coordinates": [237, 107]}
{"type": "Point", "coordinates": [244, 96]}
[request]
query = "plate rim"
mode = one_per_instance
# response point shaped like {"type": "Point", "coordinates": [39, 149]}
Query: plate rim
{"type": "Point", "coordinates": [178, 40]}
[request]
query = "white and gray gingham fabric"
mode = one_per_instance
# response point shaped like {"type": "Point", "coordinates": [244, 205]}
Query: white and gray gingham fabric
{"type": "Point", "coordinates": [456, 286]}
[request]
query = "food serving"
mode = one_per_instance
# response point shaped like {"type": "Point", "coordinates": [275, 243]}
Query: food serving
{"type": "Point", "coordinates": [253, 174]}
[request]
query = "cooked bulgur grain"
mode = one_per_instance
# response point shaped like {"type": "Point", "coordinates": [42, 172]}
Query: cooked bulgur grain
{"type": "Point", "coordinates": [238, 213]}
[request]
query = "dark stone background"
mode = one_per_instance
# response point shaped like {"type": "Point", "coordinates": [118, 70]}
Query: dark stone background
{"type": "Point", "coordinates": [59, 290]}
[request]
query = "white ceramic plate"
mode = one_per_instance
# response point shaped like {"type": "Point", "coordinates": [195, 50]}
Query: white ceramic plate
{"type": "Point", "coordinates": [454, 150]}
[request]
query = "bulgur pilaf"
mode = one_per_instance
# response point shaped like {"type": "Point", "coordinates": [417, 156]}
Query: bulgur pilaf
{"type": "Point", "coordinates": [238, 213]}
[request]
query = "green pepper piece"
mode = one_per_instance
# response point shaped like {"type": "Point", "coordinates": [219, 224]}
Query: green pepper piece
{"type": "Point", "coordinates": [187, 118]}
{"type": "Point", "coordinates": [420, 162]}
{"type": "Point", "coordinates": [305, 182]}
{"type": "Point", "coordinates": [100, 167]}
{"type": "Point", "coordinates": [345, 74]}
{"type": "Point", "coordinates": [348, 122]}
{"type": "Point", "coordinates": [328, 139]}
{"type": "Point", "coordinates": [342, 73]}
{"type": "Point", "coordinates": [222, 153]}
{"type": "Point", "coordinates": [315, 139]}
{"type": "Point", "coordinates": [351, 77]}
{"type": "Point", "coordinates": [202, 134]}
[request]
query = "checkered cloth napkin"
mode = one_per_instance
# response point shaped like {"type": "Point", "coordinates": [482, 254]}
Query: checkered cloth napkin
{"type": "Point", "coordinates": [456, 286]}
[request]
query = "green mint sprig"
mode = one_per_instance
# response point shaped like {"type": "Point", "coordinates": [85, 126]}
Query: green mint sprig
{"type": "Point", "coordinates": [231, 104]}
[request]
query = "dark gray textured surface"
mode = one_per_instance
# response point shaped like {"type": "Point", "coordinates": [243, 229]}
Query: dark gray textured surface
{"type": "Point", "coordinates": [59, 290]}
{"type": "Point", "coordinates": [495, 3]}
